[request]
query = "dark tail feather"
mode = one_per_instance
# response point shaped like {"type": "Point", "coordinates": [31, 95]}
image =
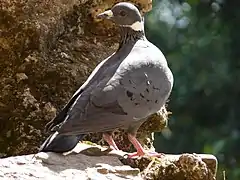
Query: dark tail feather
{"type": "Point", "coordinates": [59, 143]}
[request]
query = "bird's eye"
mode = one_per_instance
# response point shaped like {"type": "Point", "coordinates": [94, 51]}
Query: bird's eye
{"type": "Point", "coordinates": [122, 13]}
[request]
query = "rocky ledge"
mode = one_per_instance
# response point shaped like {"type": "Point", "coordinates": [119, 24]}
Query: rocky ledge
{"type": "Point", "coordinates": [95, 162]}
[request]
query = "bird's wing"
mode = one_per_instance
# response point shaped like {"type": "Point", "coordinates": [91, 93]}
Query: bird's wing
{"type": "Point", "coordinates": [86, 115]}
{"type": "Point", "coordinates": [61, 116]}
{"type": "Point", "coordinates": [117, 100]}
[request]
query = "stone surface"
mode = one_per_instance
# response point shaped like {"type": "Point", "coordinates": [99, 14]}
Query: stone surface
{"type": "Point", "coordinates": [48, 48]}
{"type": "Point", "coordinates": [89, 161]}
{"type": "Point", "coordinates": [54, 166]}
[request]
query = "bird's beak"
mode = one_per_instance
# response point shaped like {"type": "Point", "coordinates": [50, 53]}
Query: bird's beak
{"type": "Point", "coordinates": [106, 15]}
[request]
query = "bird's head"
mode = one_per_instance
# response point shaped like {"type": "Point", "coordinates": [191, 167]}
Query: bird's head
{"type": "Point", "coordinates": [124, 14]}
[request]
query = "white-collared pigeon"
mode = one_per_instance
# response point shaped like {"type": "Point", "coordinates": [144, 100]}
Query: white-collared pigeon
{"type": "Point", "coordinates": [122, 91]}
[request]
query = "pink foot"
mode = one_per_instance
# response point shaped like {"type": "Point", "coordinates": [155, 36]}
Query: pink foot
{"type": "Point", "coordinates": [140, 150]}
{"type": "Point", "coordinates": [139, 154]}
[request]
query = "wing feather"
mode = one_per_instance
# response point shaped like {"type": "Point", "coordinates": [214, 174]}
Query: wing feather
{"type": "Point", "coordinates": [63, 114]}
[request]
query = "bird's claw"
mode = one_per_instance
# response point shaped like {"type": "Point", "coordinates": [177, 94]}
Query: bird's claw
{"type": "Point", "coordinates": [140, 154]}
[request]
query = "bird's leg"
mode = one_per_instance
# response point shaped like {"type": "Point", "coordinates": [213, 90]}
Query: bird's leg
{"type": "Point", "coordinates": [139, 148]}
{"type": "Point", "coordinates": [108, 138]}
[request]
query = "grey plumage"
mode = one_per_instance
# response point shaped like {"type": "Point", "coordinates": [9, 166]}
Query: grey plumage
{"type": "Point", "coordinates": [121, 92]}
{"type": "Point", "coordinates": [60, 143]}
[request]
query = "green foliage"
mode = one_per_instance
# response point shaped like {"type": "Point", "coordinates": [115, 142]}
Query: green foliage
{"type": "Point", "coordinates": [199, 39]}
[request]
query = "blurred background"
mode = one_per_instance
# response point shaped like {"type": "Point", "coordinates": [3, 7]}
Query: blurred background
{"type": "Point", "coordinates": [201, 41]}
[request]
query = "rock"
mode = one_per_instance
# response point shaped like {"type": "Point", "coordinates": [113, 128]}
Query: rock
{"type": "Point", "coordinates": [48, 49]}
{"type": "Point", "coordinates": [70, 167]}
{"type": "Point", "coordinates": [105, 164]}
{"type": "Point", "coordinates": [178, 167]}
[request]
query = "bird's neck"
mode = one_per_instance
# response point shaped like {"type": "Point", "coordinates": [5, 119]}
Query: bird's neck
{"type": "Point", "coordinates": [130, 36]}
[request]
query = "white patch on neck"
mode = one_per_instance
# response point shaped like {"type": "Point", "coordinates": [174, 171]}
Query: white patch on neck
{"type": "Point", "coordinates": [137, 26]}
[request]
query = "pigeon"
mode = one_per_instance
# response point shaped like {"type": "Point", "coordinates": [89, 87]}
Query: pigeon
{"type": "Point", "coordinates": [121, 92]}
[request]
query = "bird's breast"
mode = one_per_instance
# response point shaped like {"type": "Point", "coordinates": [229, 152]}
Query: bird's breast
{"type": "Point", "coordinates": [145, 89]}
